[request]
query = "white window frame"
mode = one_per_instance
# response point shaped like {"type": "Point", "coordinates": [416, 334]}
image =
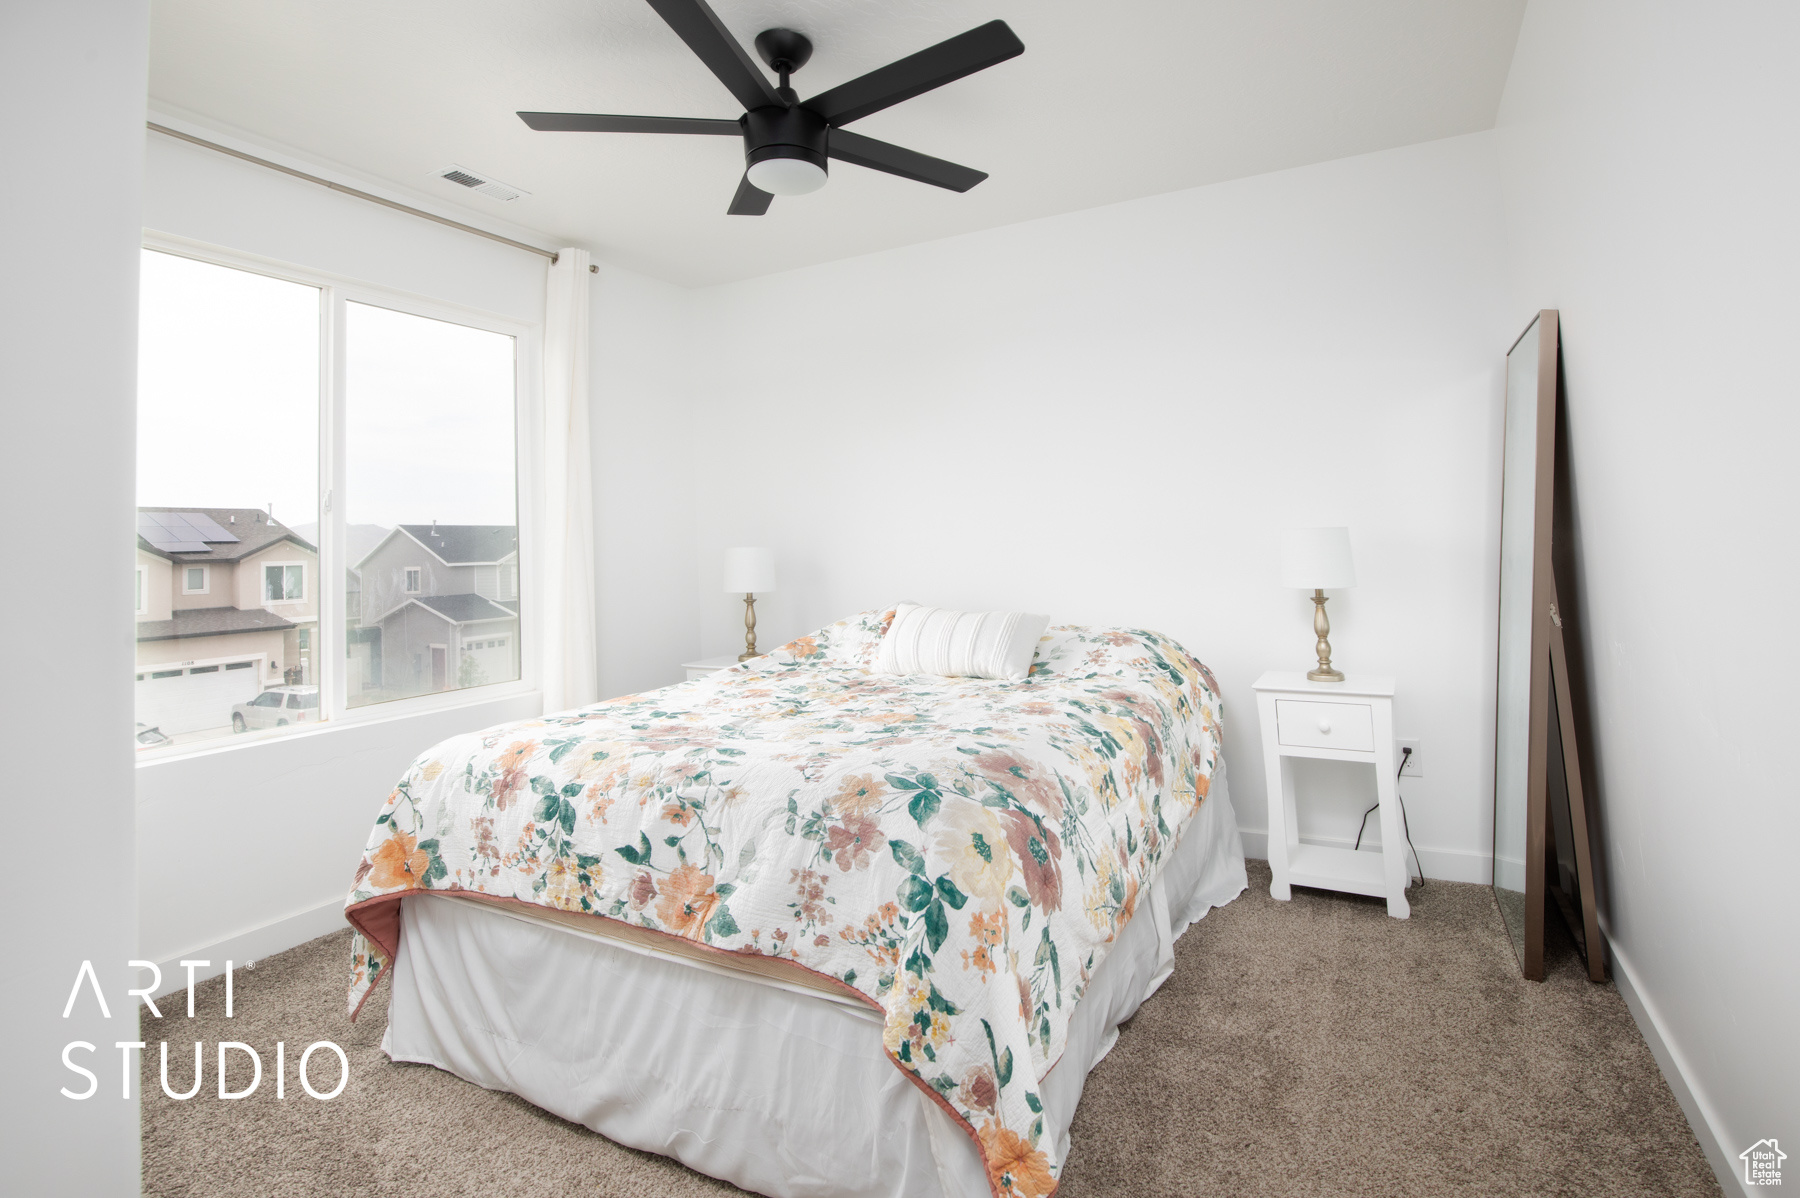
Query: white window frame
{"type": "Point", "coordinates": [413, 581]}
{"type": "Point", "coordinates": [336, 291]}
{"type": "Point", "coordinates": [268, 564]}
{"type": "Point", "coordinates": [205, 587]}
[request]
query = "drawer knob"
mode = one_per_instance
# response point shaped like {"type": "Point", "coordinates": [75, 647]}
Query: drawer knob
{"type": "Point", "coordinates": [1325, 727]}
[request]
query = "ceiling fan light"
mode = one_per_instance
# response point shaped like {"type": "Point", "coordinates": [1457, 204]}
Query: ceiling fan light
{"type": "Point", "coordinates": [782, 175]}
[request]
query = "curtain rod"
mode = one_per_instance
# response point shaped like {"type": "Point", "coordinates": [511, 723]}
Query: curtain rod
{"type": "Point", "coordinates": [351, 191]}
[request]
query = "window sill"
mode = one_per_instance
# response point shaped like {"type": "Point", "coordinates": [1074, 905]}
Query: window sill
{"type": "Point", "coordinates": [357, 718]}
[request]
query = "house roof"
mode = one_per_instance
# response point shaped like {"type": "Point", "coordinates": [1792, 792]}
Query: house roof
{"type": "Point", "coordinates": [464, 608]}
{"type": "Point", "coordinates": [210, 621]}
{"type": "Point", "coordinates": [211, 534]}
{"type": "Point", "coordinates": [466, 544]}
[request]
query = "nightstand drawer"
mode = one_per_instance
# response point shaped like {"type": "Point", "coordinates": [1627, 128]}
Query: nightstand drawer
{"type": "Point", "coordinates": [1305, 724]}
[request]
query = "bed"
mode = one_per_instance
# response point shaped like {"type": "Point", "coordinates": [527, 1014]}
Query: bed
{"type": "Point", "coordinates": [806, 927]}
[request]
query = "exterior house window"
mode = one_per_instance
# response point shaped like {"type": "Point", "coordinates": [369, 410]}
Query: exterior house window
{"type": "Point", "coordinates": [426, 412]}
{"type": "Point", "coordinates": [284, 582]}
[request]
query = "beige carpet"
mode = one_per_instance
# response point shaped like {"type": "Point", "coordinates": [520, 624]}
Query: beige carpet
{"type": "Point", "coordinates": [1308, 1048]}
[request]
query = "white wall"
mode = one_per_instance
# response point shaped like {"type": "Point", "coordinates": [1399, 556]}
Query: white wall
{"type": "Point", "coordinates": [191, 191]}
{"type": "Point", "coordinates": [1651, 167]}
{"type": "Point", "coordinates": [72, 76]}
{"type": "Point", "coordinates": [1110, 415]}
{"type": "Point", "coordinates": [248, 849]}
{"type": "Point", "coordinates": [645, 461]}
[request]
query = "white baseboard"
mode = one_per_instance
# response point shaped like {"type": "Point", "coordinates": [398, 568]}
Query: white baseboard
{"type": "Point", "coordinates": [245, 947]}
{"type": "Point", "coordinates": [1700, 1113]}
{"type": "Point", "coordinates": [1450, 865]}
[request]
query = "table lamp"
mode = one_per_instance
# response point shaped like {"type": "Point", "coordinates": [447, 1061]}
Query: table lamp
{"type": "Point", "coordinates": [1314, 559]}
{"type": "Point", "coordinates": [748, 571]}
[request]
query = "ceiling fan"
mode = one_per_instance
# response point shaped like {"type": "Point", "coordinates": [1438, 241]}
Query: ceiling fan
{"type": "Point", "coordinates": [787, 140]}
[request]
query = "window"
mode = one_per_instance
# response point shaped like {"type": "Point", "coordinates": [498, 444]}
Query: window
{"type": "Point", "coordinates": [249, 420]}
{"type": "Point", "coordinates": [267, 699]}
{"type": "Point", "coordinates": [303, 701]}
{"type": "Point", "coordinates": [284, 582]}
{"type": "Point", "coordinates": [429, 446]}
{"type": "Point", "coordinates": [228, 413]}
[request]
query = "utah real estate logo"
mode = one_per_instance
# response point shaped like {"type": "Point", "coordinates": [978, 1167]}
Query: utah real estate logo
{"type": "Point", "coordinates": [1762, 1163]}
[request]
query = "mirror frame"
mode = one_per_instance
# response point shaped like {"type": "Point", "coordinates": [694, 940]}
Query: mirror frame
{"type": "Point", "coordinates": [1548, 690]}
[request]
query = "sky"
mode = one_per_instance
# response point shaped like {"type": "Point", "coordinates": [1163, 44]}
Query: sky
{"type": "Point", "coordinates": [228, 403]}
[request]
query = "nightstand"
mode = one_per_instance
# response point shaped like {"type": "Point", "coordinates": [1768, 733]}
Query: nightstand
{"type": "Point", "coordinates": [709, 665]}
{"type": "Point", "coordinates": [1352, 720]}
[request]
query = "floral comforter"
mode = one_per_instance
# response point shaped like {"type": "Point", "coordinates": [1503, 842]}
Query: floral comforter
{"type": "Point", "coordinates": [958, 852]}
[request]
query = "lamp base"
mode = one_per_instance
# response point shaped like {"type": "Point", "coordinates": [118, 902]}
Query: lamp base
{"type": "Point", "coordinates": [1322, 629]}
{"type": "Point", "coordinates": [749, 628]}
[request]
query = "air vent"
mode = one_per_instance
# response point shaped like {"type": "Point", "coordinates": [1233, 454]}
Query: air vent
{"type": "Point", "coordinates": [464, 177]}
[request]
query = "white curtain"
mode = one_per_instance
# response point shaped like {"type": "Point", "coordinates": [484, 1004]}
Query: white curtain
{"type": "Point", "coordinates": [568, 655]}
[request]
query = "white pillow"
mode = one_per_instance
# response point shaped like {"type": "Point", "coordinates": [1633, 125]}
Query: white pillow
{"type": "Point", "coordinates": [968, 644]}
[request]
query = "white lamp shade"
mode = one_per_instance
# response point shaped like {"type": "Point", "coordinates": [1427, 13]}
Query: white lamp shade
{"type": "Point", "coordinates": [749, 571]}
{"type": "Point", "coordinates": [1317, 559]}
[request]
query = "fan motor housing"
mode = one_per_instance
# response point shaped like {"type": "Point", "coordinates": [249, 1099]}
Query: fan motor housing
{"type": "Point", "coordinates": [785, 133]}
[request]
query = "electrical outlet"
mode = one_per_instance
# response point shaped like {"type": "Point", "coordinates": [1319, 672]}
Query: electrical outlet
{"type": "Point", "coordinates": [1415, 765]}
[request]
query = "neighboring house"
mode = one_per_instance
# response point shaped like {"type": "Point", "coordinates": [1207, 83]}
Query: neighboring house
{"type": "Point", "coordinates": [226, 606]}
{"type": "Point", "coordinates": [439, 609]}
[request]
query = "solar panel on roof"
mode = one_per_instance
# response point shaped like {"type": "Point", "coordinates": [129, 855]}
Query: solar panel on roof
{"type": "Point", "coordinates": [181, 532]}
{"type": "Point", "coordinates": [182, 525]}
{"type": "Point", "coordinates": [208, 528]}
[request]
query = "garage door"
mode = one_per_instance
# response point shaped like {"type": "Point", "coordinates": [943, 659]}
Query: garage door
{"type": "Point", "coordinates": [492, 658]}
{"type": "Point", "coordinates": [190, 700]}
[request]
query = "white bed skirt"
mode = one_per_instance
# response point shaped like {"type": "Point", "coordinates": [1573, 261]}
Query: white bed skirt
{"type": "Point", "coordinates": [775, 1089]}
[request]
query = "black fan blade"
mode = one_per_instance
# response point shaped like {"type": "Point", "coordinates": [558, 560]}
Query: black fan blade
{"type": "Point", "coordinates": [916, 74]}
{"type": "Point", "coordinates": [706, 36]}
{"type": "Point", "coordinates": [593, 122]}
{"type": "Point", "coordinates": [846, 146]}
{"type": "Point", "coordinates": [749, 200]}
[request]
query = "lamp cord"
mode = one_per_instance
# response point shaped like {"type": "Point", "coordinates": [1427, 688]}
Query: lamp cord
{"type": "Point", "coordinates": [1405, 756]}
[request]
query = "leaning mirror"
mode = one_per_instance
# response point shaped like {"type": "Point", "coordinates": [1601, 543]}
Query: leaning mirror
{"type": "Point", "coordinates": [1518, 539]}
{"type": "Point", "coordinates": [1542, 850]}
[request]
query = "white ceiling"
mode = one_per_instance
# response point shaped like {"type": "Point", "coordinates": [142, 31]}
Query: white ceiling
{"type": "Point", "coordinates": [1107, 103]}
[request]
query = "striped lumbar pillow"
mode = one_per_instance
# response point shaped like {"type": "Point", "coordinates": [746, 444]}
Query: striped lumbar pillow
{"type": "Point", "coordinates": [968, 644]}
